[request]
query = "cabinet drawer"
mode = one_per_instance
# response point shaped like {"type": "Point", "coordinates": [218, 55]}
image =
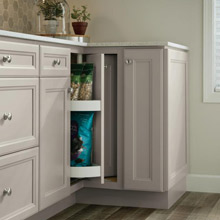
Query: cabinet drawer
{"type": "Point", "coordinates": [55, 61]}
{"type": "Point", "coordinates": [19, 185]}
{"type": "Point", "coordinates": [18, 60]}
{"type": "Point", "coordinates": [18, 114]}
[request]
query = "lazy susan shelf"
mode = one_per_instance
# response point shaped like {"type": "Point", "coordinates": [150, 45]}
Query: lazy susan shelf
{"type": "Point", "coordinates": [85, 172]}
{"type": "Point", "coordinates": [80, 106]}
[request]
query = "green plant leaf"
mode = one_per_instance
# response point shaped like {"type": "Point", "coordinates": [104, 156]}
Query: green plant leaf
{"type": "Point", "coordinates": [80, 14]}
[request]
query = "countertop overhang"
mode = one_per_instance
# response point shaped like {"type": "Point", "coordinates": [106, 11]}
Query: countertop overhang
{"type": "Point", "coordinates": [32, 37]}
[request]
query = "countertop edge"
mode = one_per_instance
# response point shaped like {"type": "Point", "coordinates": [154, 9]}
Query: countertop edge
{"type": "Point", "coordinates": [32, 37]}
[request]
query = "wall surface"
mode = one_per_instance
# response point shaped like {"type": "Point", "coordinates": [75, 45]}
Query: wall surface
{"type": "Point", "coordinates": [178, 21]}
{"type": "Point", "coordinates": [16, 15]}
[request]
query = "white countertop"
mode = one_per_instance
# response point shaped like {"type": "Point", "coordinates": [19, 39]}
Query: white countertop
{"type": "Point", "coordinates": [73, 43]}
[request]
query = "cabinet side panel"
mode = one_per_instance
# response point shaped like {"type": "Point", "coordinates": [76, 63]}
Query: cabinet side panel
{"type": "Point", "coordinates": [177, 116]}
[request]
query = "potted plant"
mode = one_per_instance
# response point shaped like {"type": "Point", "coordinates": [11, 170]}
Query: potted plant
{"type": "Point", "coordinates": [81, 16]}
{"type": "Point", "coordinates": [51, 10]}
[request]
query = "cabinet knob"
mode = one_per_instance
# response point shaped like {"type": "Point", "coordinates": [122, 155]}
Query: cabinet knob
{"type": "Point", "coordinates": [70, 90]}
{"type": "Point", "coordinates": [7, 191]}
{"type": "Point", "coordinates": [128, 61]}
{"type": "Point", "coordinates": [57, 62]}
{"type": "Point", "coordinates": [7, 59]}
{"type": "Point", "coordinates": [7, 116]}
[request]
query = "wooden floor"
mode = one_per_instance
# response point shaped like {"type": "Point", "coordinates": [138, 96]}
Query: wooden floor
{"type": "Point", "coordinates": [192, 206]}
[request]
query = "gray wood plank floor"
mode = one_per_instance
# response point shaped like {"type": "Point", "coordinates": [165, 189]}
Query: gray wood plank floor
{"type": "Point", "coordinates": [192, 206]}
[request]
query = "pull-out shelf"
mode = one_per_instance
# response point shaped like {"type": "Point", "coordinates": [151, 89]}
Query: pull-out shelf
{"type": "Point", "coordinates": [85, 172]}
{"type": "Point", "coordinates": [82, 106]}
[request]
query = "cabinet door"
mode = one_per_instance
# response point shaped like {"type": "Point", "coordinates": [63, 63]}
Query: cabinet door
{"type": "Point", "coordinates": [99, 126]}
{"type": "Point", "coordinates": [143, 122]}
{"type": "Point", "coordinates": [54, 140]}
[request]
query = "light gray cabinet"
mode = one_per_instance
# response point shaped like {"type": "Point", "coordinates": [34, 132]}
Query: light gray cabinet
{"type": "Point", "coordinates": [143, 119]}
{"type": "Point", "coordinates": [140, 131]}
{"type": "Point", "coordinates": [55, 140]}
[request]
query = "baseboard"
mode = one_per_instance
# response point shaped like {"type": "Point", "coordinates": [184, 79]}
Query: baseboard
{"type": "Point", "coordinates": [203, 183]}
{"type": "Point", "coordinates": [128, 198]}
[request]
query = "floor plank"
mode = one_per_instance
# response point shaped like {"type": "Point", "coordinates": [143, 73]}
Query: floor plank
{"type": "Point", "coordinates": [215, 212]}
{"type": "Point", "coordinates": [123, 213]}
{"type": "Point", "coordinates": [204, 207]}
{"type": "Point", "coordinates": [69, 212]}
{"type": "Point", "coordinates": [94, 212]}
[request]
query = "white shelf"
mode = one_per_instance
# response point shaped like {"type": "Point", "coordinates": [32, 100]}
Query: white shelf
{"type": "Point", "coordinates": [85, 172]}
{"type": "Point", "coordinates": [80, 106]}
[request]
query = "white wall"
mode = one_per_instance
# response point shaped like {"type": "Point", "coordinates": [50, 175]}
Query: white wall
{"type": "Point", "coordinates": [178, 21]}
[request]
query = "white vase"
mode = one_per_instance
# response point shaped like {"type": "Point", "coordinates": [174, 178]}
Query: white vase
{"type": "Point", "coordinates": [50, 26]}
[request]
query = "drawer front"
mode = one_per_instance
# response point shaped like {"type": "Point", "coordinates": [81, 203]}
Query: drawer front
{"type": "Point", "coordinates": [19, 185]}
{"type": "Point", "coordinates": [55, 61]}
{"type": "Point", "coordinates": [18, 114]}
{"type": "Point", "coordinates": [18, 60]}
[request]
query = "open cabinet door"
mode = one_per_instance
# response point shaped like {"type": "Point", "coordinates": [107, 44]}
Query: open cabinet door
{"type": "Point", "coordinates": [98, 94]}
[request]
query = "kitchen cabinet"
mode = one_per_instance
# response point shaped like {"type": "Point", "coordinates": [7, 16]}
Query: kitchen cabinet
{"type": "Point", "coordinates": [140, 102]}
{"type": "Point", "coordinates": [55, 140]}
{"type": "Point", "coordinates": [155, 122]}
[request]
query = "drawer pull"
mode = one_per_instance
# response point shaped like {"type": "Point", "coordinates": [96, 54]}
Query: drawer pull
{"type": "Point", "coordinates": [7, 59]}
{"type": "Point", "coordinates": [57, 62]}
{"type": "Point", "coordinates": [7, 116]}
{"type": "Point", "coordinates": [70, 90]}
{"type": "Point", "coordinates": [7, 191]}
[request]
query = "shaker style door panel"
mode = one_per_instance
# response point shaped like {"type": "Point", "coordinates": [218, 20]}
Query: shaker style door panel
{"type": "Point", "coordinates": [55, 61]}
{"type": "Point", "coordinates": [18, 114]}
{"type": "Point", "coordinates": [143, 119]}
{"type": "Point", "coordinates": [19, 185]}
{"type": "Point", "coordinates": [54, 141]}
{"type": "Point", "coordinates": [19, 60]}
